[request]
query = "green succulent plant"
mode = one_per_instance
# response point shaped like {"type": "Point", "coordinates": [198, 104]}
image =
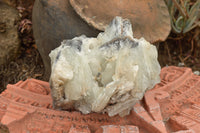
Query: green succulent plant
{"type": "Point", "coordinates": [184, 17]}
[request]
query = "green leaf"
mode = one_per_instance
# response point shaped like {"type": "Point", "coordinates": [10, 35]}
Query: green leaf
{"type": "Point", "coordinates": [192, 27]}
{"type": "Point", "coordinates": [174, 29]}
{"type": "Point", "coordinates": [187, 27]}
{"type": "Point", "coordinates": [179, 23]}
{"type": "Point", "coordinates": [194, 9]}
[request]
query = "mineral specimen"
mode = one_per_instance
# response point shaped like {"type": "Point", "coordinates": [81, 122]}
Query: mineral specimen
{"type": "Point", "coordinates": [109, 73]}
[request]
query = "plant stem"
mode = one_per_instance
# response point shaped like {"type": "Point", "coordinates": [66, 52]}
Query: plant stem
{"type": "Point", "coordinates": [179, 8]}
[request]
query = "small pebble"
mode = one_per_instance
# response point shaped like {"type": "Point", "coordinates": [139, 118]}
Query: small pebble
{"type": "Point", "coordinates": [181, 64]}
{"type": "Point", "coordinates": [197, 72]}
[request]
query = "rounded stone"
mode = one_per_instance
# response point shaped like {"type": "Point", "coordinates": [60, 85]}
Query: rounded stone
{"type": "Point", "coordinates": [54, 21]}
{"type": "Point", "coordinates": [150, 19]}
{"type": "Point", "coordinates": [9, 39]}
{"type": "Point", "coordinates": [12, 3]}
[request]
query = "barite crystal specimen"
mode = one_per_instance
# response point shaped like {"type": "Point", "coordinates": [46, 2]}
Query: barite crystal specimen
{"type": "Point", "coordinates": [109, 73]}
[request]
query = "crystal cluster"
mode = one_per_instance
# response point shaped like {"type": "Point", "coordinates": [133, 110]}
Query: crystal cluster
{"type": "Point", "coordinates": [109, 73]}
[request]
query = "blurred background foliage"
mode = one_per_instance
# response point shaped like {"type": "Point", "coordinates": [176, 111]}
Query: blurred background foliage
{"type": "Point", "coordinates": [184, 15]}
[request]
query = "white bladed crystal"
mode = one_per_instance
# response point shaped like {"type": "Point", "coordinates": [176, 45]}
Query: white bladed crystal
{"type": "Point", "coordinates": [109, 73]}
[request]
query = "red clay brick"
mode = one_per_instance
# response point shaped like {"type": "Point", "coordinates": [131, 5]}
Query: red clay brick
{"type": "Point", "coordinates": [79, 129]}
{"type": "Point", "coordinates": [118, 129]}
{"type": "Point", "coordinates": [185, 131]}
{"type": "Point", "coordinates": [171, 106]}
